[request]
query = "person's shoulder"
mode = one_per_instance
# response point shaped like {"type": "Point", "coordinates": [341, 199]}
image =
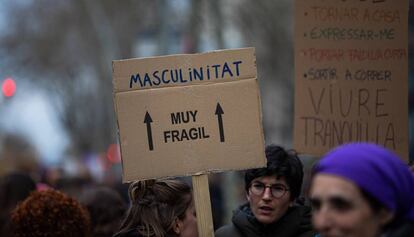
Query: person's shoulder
{"type": "Point", "coordinates": [227, 231]}
{"type": "Point", "coordinates": [405, 229]}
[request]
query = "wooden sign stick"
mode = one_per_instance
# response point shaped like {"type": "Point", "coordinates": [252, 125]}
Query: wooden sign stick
{"type": "Point", "coordinates": [203, 205]}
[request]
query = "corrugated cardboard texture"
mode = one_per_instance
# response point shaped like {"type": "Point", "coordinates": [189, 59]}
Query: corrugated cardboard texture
{"type": "Point", "coordinates": [184, 130]}
{"type": "Point", "coordinates": [351, 74]}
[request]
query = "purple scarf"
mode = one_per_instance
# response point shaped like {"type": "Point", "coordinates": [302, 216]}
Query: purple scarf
{"type": "Point", "coordinates": [375, 170]}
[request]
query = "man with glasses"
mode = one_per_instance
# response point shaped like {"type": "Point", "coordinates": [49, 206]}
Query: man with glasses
{"type": "Point", "coordinates": [272, 208]}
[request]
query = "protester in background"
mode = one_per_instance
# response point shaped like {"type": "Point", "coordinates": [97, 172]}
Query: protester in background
{"type": "Point", "coordinates": [362, 189]}
{"type": "Point", "coordinates": [106, 209]}
{"type": "Point", "coordinates": [160, 208]}
{"type": "Point", "coordinates": [74, 186]}
{"type": "Point", "coordinates": [272, 192]}
{"type": "Point", "coordinates": [14, 188]}
{"type": "Point", "coordinates": [50, 213]}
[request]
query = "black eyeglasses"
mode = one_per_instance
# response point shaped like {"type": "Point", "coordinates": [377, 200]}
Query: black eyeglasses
{"type": "Point", "coordinates": [277, 190]}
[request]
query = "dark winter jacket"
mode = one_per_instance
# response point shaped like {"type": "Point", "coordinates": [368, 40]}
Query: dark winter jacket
{"type": "Point", "coordinates": [295, 223]}
{"type": "Point", "coordinates": [400, 229]}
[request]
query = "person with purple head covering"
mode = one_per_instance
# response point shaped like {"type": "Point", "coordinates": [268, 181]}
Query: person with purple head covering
{"type": "Point", "coordinates": [362, 190]}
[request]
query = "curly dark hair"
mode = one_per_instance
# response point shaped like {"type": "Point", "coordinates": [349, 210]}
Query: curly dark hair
{"type": "Point", "coordinates": [281, 163]}
{"type": "Point", "coordinates": [50, 213]}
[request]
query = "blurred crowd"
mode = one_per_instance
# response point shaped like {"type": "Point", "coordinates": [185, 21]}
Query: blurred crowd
{"type": "Point", "coordinates": [72, 205]}
{"type": "Point", "coordinates": [357, 189]}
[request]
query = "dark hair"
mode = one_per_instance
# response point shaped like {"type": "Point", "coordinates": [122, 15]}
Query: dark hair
{"type": "Point", "coordinates": [155, 205]}
{"type": "Point", "coordinates": [280, 163]}
{"type": "Point", "coordinates": [14, 188]}
{"type": "Point", "coordinates": [374, 204]}
{"type": "Point", "coordinates": [106, 209]}
{"type": "Point", "coordinates": [376, 207]}
{"type": "Point", "coordinates": [50, 213]}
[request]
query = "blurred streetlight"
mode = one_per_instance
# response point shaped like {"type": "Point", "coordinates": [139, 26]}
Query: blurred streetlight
{"type": "Point", "coordinates": [113, 154]}
{"type": "Point", "coordinates": [8, 87]}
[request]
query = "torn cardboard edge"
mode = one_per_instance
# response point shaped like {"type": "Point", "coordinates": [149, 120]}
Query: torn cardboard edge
{"type": "Point", "coordinates": [184, 69]}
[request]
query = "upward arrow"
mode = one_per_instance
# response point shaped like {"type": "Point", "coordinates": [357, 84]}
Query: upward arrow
{"type": "Point", "coordinates": [148, 121]}
{"type": "Point", "coordinates": [219, 112]}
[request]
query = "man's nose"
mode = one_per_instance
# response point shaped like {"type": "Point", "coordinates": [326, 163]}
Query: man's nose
{"type": "Point", "coordinates": [267, 194]}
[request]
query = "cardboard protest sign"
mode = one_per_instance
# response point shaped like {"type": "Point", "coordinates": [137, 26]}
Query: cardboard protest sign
{"type": "Point", "coordinates": [351, 74]}
{"type": "Point", "coordinates": [187, 114]}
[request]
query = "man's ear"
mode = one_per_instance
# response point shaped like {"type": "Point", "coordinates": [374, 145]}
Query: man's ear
{"type": "Point", "coordinates": [178, 225]}
{"type": "Point", "coordinates": [248, 196]}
